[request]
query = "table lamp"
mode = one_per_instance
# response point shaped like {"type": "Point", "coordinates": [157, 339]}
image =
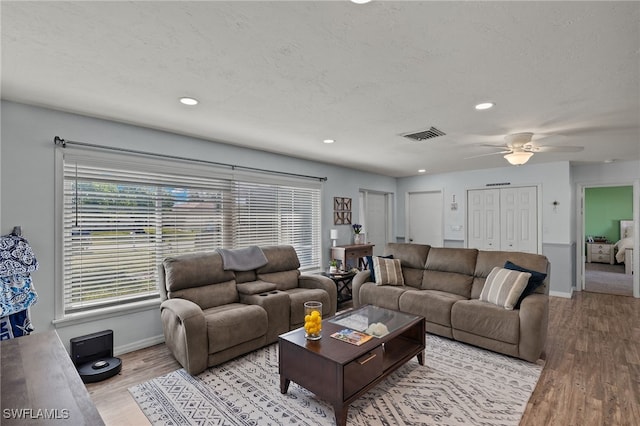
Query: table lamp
{"type": "Point", "coordinates": [334, 237]}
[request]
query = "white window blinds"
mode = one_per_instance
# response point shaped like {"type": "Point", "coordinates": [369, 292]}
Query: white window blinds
{"type": "Point", "coordinates": [120, 221]}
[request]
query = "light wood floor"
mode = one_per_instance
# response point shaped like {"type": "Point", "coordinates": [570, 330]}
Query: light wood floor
{"type": "Point", "coordinates": [591, 376]}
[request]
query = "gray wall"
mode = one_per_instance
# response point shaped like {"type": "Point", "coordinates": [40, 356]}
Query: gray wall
{"type": "Point", "coordinates": [552, 178]}
{"type": "Point", "coordinates": [27, 198]}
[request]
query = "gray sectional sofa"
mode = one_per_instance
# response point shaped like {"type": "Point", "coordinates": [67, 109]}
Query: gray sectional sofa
{"type": "Point", "coordinates": [211, 315]}
{"type": "Point", "coordinates": [444, 286]}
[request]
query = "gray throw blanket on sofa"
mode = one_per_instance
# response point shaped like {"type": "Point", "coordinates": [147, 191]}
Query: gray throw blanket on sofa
{"type": "Point", "coordinates": [244, 259]}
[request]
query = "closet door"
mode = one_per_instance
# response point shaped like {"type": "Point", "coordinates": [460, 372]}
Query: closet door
{"type": "Point", "coordinates": [519, 219]}
{"type": "Point", "coordinates": [483, 219]}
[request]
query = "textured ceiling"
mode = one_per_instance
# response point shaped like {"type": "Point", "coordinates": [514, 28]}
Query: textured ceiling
{"type": "Point", "coordinates": [283, 76]}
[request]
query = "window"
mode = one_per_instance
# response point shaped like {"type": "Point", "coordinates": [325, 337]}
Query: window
{"type": "Point", "coordinates": [121, 219]}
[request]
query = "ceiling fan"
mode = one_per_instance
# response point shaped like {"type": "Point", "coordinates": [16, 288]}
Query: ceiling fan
{"type": "Point", "coordinates": [520, 148]}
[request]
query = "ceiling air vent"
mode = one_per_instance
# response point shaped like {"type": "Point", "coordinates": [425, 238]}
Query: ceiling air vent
{"type": "Point", "coordinates": [422, 135]}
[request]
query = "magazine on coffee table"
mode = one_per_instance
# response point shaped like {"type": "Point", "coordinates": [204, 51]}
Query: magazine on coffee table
{"type": "Point", "coordinates": [352, 336]}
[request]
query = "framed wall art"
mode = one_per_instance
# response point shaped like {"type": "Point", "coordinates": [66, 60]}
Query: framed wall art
{"type": "Point", "coordinates": [341, 211]}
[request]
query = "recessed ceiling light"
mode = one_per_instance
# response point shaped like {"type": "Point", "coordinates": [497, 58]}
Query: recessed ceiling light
{"type": "Point", "coordinates": [422, 170]}
{"type": "Point", "coordinates": [485, 105]}
{"type": "Point", "coordinates": [189, 101]}
{"type": "Point", "coordinates": [360, 1]}
{"type": "Point", "coordinates": [328, 141]}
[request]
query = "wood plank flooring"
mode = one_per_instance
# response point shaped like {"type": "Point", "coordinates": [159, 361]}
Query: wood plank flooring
{"type": "Point", "coordinates": [591, 376]}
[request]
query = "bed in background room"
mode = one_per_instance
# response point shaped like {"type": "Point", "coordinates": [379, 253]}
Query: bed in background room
{"type": "Point", "coordinates": [625, 246]}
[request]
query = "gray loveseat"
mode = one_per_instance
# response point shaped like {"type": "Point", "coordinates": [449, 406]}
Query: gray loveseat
{"type": "Point", "coordinates": [444, 285]}
{"type": "Point", "coordinates": [211, 315]}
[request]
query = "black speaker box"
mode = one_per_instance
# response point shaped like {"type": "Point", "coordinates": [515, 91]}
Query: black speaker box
{"type": "Point", "coordinates": [93, 356]}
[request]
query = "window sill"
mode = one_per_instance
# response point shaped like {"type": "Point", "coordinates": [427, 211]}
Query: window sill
{"type": "Point", "coordinates": [105, 313]}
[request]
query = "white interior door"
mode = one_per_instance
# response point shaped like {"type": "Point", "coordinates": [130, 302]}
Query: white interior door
{"type": "Point", "coordinates": [425, 218]}
{"type": "Point", "coordinates": [519, 219]}
{"type": "Point", "coordinates": [483, 219]}
{"type": "Point", "coordinates": [376, 223]}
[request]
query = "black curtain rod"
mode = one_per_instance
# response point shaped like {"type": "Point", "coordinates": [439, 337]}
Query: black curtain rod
{"type": "Point", "coordinates": [57, 140]}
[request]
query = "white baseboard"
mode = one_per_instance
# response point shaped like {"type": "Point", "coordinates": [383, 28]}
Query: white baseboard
{"type": "Point", "coordinates": [561, 294]}
{"type": "Point", "coordinates": [140, 344]}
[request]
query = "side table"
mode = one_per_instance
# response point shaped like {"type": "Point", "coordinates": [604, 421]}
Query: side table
{"type": "Point", "coordinates": [343, 284]}
{"type": "Point", "coordinates": [354, 252]}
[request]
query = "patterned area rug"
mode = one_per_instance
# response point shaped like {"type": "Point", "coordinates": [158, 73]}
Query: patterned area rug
{"type": "Point", "coordinates": [459, 385]}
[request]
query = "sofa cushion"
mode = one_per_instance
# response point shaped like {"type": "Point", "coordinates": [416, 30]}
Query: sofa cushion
{"type": "Point", "coordinates": [245, 276]}
{"type": "Point", "coordinates": [194, 270]}
{"type": "Point", "coordinates": [255, 287]}
{"type": "Point", "coordinates": [209, 296]}
{"type": "Point", "coordinates": [486, 319]}
{"type": "Point", "coordinates": [387, 271]}
{"type": "Point", "coordinates": [535, 281]}
{"type": "Point", "coordinates": [284, 280]}
{"type": "Point", "coordinates": [282, 268]}
{"type": "Point", "coordinates": [233, 324]}
{"type": "Point", "coordinates": [279, 258]}
{"type": "Point", "coordinates": [435, 306]}
{"type": "Point", "coordinates": [450, 270]}
{"type": "Point", "coordinates": [412, 258]}
{"type": "Point", "coordinates": [503, 287]}
{"type": "Point", "coordinates": [487, 260]}
{"type": "Point", "coordinates": [386, 296]}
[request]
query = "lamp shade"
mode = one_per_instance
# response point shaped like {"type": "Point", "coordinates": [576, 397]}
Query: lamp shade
{"type": "Point", "coordinates": [334, 234]}
{"type": "Point", "coordinates": [518, 158]}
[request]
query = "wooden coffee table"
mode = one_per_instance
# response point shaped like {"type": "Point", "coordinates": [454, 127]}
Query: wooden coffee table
{"type": "Point", "coordinates": [340, 372]}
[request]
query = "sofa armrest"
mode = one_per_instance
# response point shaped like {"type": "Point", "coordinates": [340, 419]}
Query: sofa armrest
{"type": "Point", "coordinates": [324, 283]}
{"type": "Point", "coordinates": [255, 287]}
{"type": "Point", "coordinates": [185, 333]}
{"type": "Point", "coordinates": [360, 278]}
{"type": "Point", "coordinates": [534, 318]}
{"type": "Point", "coordinates": [276, 304]}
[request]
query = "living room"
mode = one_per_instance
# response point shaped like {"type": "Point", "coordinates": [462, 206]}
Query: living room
{"type": "Point", "coordinates": [31, 118]}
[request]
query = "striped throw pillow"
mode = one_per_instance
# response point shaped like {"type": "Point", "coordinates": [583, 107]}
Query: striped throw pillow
{"type": "Point", "coordinates": [503, 287]}
{"type": "Point", "coordinates": [387, 271]}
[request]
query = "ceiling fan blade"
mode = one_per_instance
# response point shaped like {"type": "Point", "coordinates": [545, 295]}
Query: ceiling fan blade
{"type": "Point", "coordinates": [498, 145]}
{"type": "Point", "coordinates": [558, 149]}
{"type": "Point", "coordinates": [485, 155]}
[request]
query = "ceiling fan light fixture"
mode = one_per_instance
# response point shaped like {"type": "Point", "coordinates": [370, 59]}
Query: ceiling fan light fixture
{"type": "Point", "coordinates": [518, 158]}
{"type": "Point", "coordinates": [185, 100]}
{"type": "Point", "coordinates": [484, 105]}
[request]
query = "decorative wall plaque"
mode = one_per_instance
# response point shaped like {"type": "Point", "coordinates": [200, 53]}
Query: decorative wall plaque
{"type": "Point", "coordinates": [341, 211]}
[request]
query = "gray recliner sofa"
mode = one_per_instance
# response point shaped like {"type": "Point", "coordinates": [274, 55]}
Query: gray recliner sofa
{"type": "Point", "coordinates": [211, 315]}
{"type": "Point", "coordinates": [444, 286]}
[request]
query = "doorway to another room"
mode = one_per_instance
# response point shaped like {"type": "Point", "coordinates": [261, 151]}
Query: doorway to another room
{"type": "Point", "coordinates": [608, 229]}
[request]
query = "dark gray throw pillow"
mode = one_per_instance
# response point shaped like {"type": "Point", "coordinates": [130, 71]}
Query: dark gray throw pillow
{"type": "Point", "coordinates": [535, 281]}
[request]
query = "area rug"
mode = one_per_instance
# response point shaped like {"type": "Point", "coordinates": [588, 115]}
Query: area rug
{"type": "Point", "coordinates": [458, 385]}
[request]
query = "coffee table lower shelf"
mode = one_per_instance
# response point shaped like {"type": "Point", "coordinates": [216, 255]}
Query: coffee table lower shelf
{"type": "Point", "coordinates": [339, 372]}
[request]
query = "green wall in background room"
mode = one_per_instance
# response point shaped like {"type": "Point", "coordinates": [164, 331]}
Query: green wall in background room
{"type": "Point", "coordinates": [604, 208]}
